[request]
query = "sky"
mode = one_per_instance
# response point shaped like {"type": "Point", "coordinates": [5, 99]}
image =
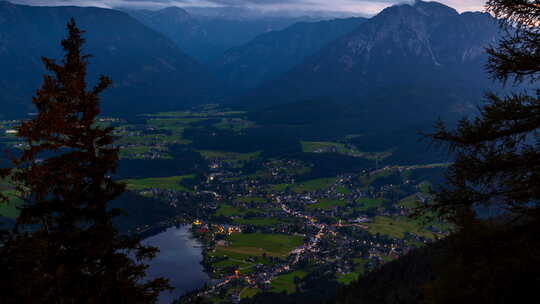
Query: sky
{"type": "Point", "coordinates": [362, 7]}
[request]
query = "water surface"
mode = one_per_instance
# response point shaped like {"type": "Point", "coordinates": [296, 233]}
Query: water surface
{"type": "Point", "coordinates": [178, 260]}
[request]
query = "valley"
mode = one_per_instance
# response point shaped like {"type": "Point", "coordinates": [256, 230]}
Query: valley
{"type": "Point", "coordinates": [272, 156]}
{"type": "Point", "coordinates": [270, 220]}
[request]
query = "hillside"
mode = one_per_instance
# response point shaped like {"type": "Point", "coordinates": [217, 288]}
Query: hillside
{"type": "Point", "coordinates": [207, 37]}
{"type": "Point", "coordinates": [149, 72]}
{"type": "Point", "coordinates": [272, 54]}
{"type": "Point", "coordinates": [407, 64]}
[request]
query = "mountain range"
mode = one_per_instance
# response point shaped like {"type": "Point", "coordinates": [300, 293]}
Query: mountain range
{"type": "Point", "coordinates": [148, 70]}
{"type": "Point", "coordinates": [205, 37]}
{"type": "Point", "coordinates": [408, 64]}
{"type": "Point", "coordinates": [247, 66]}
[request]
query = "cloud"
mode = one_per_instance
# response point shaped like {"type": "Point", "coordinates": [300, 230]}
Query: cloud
{"type": "Point", "coordinates": [364, 7]}
{"type": "Point", "coordinates": [143, 4]}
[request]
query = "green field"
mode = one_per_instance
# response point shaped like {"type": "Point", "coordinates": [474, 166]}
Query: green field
{"type": "Point", "coordinates": [249, 292]}
{"type": "Point", "coordinates": [314, 185]}
{"type": "Point", "coordinates": [343, 190]}
{"type": "Point", "coordinates": [132, 151]}
{"type": "Point", "coordinates": [234, 124]}
{"type": "Point", "coordinates": [315, 146]}
{"type": "Point", "coordinates": [297, 171]}
{"type": "Point", "coordinates": [178, 121]}
{"type": "Point", "coordinates": [255, 244]}
{"type": "Point", "coordinates": [228, 210]}
{"type": "Point", "coordinates": [396, 227]}
{"type": "Point", "coordinates": [359, 265]}
{"type": "Point", "coordinates": [208, 112]}
{"type": "Point", "coordinates": [282, 168]}
{"type": "Point", "coordinates": [429, 218]}
{"type": "Point", "coordinates": [367, 180]}
{"type": "Point", "coordinates": [368, 203]}
{"type": "Point", "coordinates": [285, 282]}
{"type": "Point", "coordinates": [172, 122]}
{"type": "Point", "coordinates": [165, 183]}
{"type": "Point", "coordinates": [9, 208]}
{"type": "Point", "coordinates": [410, 202]}
{"type": "Point", "coordinates": [327, 204]}
{"type": "Point", "coordinates": [347, 278]}
{"type": "Point", "coordinates": [152, 140]}
{"type": "Point", "coordinates": [232, 156]}
{"type": "Point", "coordinates": [425, 187]}
{"type": "Point", "coordinates": [259, 222]}
{"type": "Point", "coordinates": [280, 187]}
{"type": "Point", "coordinates": [139, 151]}
{"type": "Point", "coordinates": [235, 260]}
{"type": "Point", "coordinates": [251, 200]}
{"type": "Point", "coordinates": [325, 146]}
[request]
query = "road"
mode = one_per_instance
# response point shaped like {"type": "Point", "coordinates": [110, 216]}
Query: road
{"type": "Point", "coordinates": [296, 254]}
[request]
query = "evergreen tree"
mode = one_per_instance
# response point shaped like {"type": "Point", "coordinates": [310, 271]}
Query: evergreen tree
{"type": "Point", "coordinates": [64, 248]}
{"type": "Point", "coordinates": [492, 193]}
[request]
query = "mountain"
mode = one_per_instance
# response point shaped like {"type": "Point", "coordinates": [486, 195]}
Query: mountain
{"type": "Point", "coordinates": [179, 26]}
{"type": "Point", "coordinates": [149, 71]}
{"type": "Point", "coordinates": [409, 63]}
{"type": "Point", "coordinates": [243, 13]}
{"type": "Point", "coordinates": [274, 53]}
{"type": "Point", "coordinates": [206, 36]}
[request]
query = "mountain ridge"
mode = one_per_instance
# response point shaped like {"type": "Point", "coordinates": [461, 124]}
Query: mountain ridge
{"type": "Point", "coordinates": [207, 37]}
{"type": "Point", "coordinates": [148, 70]}
{"type": "Point", "coordinates": [247, 66]}
{"type": "Point", "coordinates": [425, 57]}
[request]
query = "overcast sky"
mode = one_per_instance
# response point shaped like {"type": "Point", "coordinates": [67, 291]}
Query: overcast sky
{"type": "Point", "coordinates": [364, 7]}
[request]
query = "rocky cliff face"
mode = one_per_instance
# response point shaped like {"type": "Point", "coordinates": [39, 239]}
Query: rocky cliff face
{"type": "Point", "coordinates": [274, 53]}
{"type": "Point", "coordinates": [422, 47]}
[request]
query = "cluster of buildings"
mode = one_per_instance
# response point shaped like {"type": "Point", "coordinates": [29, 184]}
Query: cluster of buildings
{"type": "Point", "coordinates": [215, 228]}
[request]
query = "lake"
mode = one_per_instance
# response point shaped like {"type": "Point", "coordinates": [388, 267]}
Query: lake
{"type": "Point", "coordinates": [178, 260]}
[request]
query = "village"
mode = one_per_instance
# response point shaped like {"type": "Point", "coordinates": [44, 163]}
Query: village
{"type": "Point", "coordinates": [337, 223]}
{"type": "Point", "coordinates": [266, 225]}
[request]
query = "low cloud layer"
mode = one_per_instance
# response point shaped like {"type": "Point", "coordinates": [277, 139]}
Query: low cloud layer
{"type": "Point", "coordinates": [364, 7]}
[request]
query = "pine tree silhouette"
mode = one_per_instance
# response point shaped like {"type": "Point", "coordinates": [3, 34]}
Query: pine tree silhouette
{"type": "Point", "coordinates": [64, 248]}
{"type": "Point", "coordinates": [495, 256]}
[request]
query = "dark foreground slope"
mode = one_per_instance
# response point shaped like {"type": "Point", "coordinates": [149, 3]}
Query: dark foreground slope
{"type": "Point", "coordinates": [149, 72]}
{"type": "Point", "coordinates": [400, 281]}
{"type": "Point", "coordinates": [397, 282]}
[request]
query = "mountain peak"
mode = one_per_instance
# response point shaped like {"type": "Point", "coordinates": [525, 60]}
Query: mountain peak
{"type": "Point", "coordinates": [173, 15]}
{"type": "Point", "coordinates": [434, 9]}
{"type": "Point", "coordinates": [174, 10]}
{"type": "Point", "coordinates": [139, 59]}
{"type": "Point", "coordinates": [429, 9]}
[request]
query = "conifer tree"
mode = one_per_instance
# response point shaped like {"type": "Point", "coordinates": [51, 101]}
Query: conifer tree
{"type": "Point", "coordinates": [64, 248]}
{"type": "Point", "coordinates": [492, 194]}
